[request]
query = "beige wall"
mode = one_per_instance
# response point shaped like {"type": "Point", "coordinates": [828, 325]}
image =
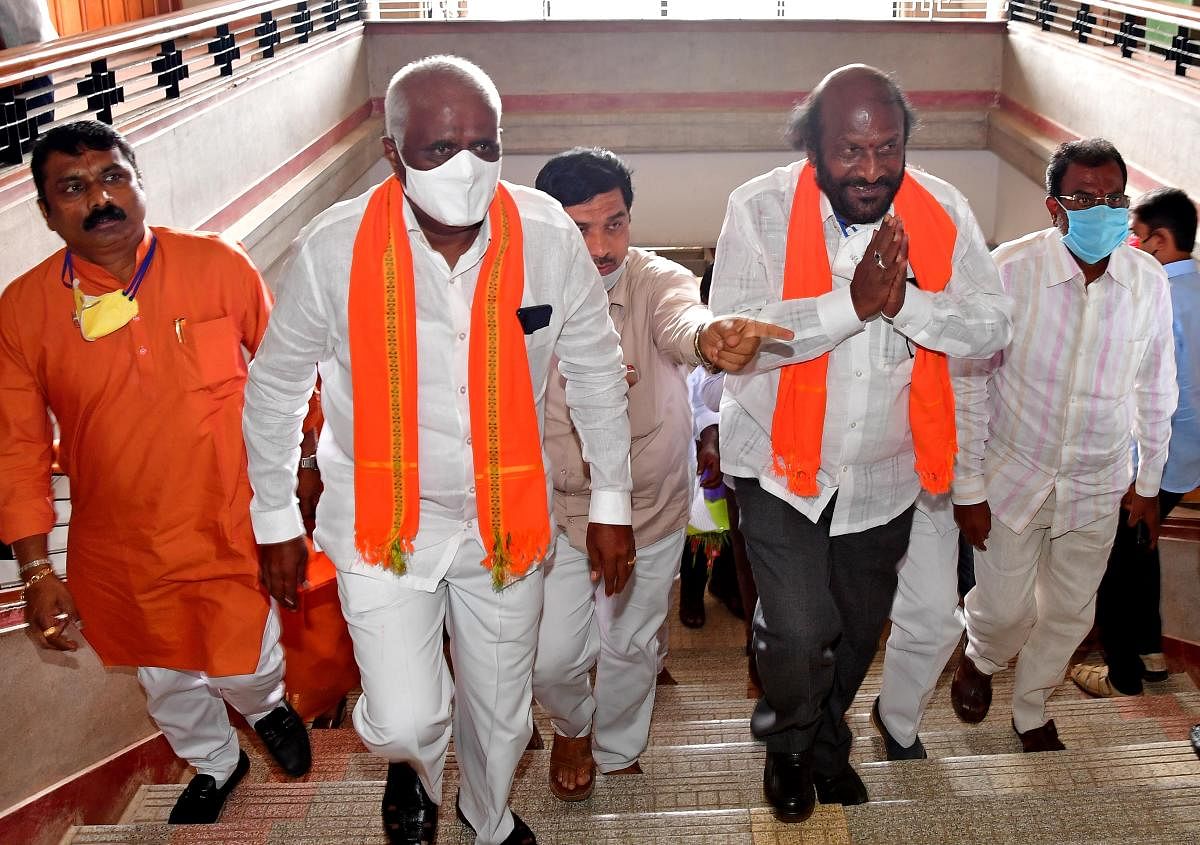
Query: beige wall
{"type": "Point", "coordinates": [196, 163]}
{"type": "Point", "coordinates": [1153, 119]}
{"type": "Point", "coordinates": [63, 713]}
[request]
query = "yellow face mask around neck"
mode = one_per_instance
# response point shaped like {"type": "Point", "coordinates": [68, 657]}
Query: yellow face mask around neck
{"type": "Point", "coordinates": [102, 315]}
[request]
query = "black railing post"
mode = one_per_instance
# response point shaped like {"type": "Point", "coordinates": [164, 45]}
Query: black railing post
{"type": "Point", "coordinates": [268, 34]}
{"type": "Point", "coordinates": [170, 69]}
{"type": "Point", "coordinates": [302, 21]}
{"type": "Point", "coordinates": [333, 14]}
{"type": "Point", "coordinates": [1045, 14]}
{"type": "Point", "coordinates": [1127, 39]}
{"type": "Point", "coordinates": [1083, 23]}
{"type": "Point", "coordinates": [101, 90]}
{"type": "Point", "coordinates": [224, 49]}
{"type": "Point", "coordinates": [1183, 52]}
{"type": "Point", "coordinates": [14, 126]}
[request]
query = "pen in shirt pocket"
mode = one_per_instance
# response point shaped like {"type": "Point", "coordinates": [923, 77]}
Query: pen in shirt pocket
{"type": "Point", "coordinates": [180, 325]}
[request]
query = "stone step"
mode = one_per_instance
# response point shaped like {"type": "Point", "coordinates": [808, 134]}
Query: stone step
{"type": "Point", "coordinates": [754, 826]}
{"type": "Point", "coordinates": [1161, 779]}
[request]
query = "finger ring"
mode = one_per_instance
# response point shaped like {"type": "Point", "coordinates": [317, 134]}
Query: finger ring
{"type": "Point", "coordinates": [879, 261]}
{"type": "Point", "coordinates": [50, 632]}
{"type": "Point", "coordinates": [631, 561]}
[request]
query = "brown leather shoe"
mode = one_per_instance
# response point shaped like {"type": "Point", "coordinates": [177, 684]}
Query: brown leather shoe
{"type": "Point", "coordinates": [970, 691]}
{"type": "Point", "coordinates": [1044, 738]}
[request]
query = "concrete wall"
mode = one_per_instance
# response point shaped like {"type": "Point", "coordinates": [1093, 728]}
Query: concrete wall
{"type": "Point", "coordinates": [1154, 119]}
{"type": "Point", "coordinates": [64, 712]}
{"type": "Point", "coordinates": [199, 162]}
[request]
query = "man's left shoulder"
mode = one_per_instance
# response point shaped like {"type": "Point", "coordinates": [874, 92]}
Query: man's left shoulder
{"type": "Point", "coordinates": [198, 244]}
{"type": "Point", "coordinates": [540, 211]}
{"type": "Point", "coordinates": [948, 196]}
{"type": "Point", "coordinates": [1141, 269]}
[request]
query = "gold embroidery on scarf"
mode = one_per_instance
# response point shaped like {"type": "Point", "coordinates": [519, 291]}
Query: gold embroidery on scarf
{"type": "Point", "coordinates": [501, 562]}
{"type": "Point", "coordinates": [395, 555]}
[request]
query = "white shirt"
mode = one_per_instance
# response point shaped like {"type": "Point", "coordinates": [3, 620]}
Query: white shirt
{"type": "Point", "coordinates": [25, 22]}
{"type": "Point", "coordinates": [309, 325]}
{"type": "Point", "coordinates": [1054, 410]}
{"type": "Point", "coordinates": [866, 450]}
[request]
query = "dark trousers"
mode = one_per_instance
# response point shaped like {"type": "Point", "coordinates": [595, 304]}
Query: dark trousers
{"type": "Point", "coordinates": [1127, 605]}
{"type": "Point", "coordinates": [822, 604]}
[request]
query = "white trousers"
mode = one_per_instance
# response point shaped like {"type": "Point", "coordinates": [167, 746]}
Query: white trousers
{"type": "Point", "coordinates": [926, 626]}
{"type": "Point", "coordinates": [189, 707]}
{"type": "Point", "coordinates": [1035, 598]}
{"type": "Point", "coordinates": [619, 635]}
{"type": "Point", "coordinates": [404, 713]}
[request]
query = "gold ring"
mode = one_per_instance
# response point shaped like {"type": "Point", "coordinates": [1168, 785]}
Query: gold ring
{"type": "Point", "coordinates": [631, 561]}
{"type": "Point", "coordinates": [50, 632]}
{"type": "Point", "coordinates": [879, 261]}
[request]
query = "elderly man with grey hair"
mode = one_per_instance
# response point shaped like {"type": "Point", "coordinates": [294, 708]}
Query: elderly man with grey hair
{"type": "Point", "coordinates": [432, 307]}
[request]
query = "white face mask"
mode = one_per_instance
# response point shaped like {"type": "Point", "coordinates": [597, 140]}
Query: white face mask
{"type": "Point", "coordinates": [610, 281]}
{"type": "Point", "coordinates": [457, 192]}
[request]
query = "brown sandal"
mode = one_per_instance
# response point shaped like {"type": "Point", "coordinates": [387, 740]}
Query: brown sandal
{"type": "Point", "coordinates": [571, 755]}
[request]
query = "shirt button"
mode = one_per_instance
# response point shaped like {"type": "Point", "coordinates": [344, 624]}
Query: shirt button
{"type": "Point", "coordinates": [471, 490]}
{"type": "Point", "coordinates": [468, 440]}
{"type": "Point", "coordinates": [845, 469]}
{"type": "Point", "coordinates": [462, 335]}
{"type": "Point", "coordinates": [858, 373]}
{"type": "Point", "coordinates": [463, 389]}
{"type": "Point", "coordinates": [142, 350]}
{"type": "Point", "coordinates": [854, 425]}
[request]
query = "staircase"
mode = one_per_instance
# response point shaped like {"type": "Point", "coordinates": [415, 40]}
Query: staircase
{"type": "Point", "coordinates": [1128, 776]}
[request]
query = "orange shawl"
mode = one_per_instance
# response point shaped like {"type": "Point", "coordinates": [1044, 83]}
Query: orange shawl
{"type": "Point", "coordinates": [514, 523]}
{"type": "Point", "coordinates": [799, 420]}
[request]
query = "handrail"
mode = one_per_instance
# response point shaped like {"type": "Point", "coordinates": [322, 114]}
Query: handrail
{"type": "Point", "coordinates": [122, 73]}
{"type": "Point", "coordinates": [149, 32]}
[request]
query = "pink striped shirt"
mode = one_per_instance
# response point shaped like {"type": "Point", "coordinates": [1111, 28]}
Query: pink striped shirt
{"type": "Point", "coordinates": [1086, 367]}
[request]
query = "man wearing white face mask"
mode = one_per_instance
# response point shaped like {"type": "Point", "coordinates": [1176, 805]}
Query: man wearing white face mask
{"type": "Point", "coordinates": [1044, 442]}
{"type": "Point", "coordinates": [435, 304]}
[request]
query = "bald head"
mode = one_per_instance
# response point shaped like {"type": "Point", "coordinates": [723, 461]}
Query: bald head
{"type": "Point", "coordinates": [433, 82]}
{"type": "Point", "coordinates": [843, 91]}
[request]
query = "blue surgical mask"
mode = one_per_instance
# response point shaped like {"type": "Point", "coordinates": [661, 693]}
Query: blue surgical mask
{"type": "Point", "coordinates": [1092, 234]}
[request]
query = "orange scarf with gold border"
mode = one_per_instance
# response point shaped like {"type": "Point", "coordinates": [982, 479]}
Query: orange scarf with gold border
{"type": "Point", "coordinates": [514, 523]}
{"type": "Point", "coordinates": [799, 420]}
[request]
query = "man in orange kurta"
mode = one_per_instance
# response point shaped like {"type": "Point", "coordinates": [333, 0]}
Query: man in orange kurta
{"type": "Point", "coordinates": [135, 338]}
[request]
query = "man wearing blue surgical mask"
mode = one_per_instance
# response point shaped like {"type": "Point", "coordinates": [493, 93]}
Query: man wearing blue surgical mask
{"type": "Point", "coordinates": [1044, 436]}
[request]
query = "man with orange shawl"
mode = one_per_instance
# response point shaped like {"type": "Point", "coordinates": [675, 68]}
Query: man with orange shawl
{"type": "Point", "coordinates": [880, 271]}
{"type": "Point", "coordinates": [432, 307]}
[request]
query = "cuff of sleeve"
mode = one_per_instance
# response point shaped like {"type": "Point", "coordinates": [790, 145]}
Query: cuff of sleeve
{"type": "Point", "coordinates": [915, 313]}
{"type": "Point", "coordinates": [703, 420]}
{"type": "Point", "coordinates": [27, 521]}
{"type": "Point", "coordinates": [968, 491]}
{"type": "Point", "coordinates": [836, 312]}
{"type": "Point", "coordinates": [1148, 483]}
{"type": "Point", "coordinates": [278, 525]}
{"type": "Point", "coordinates": [610, 508]}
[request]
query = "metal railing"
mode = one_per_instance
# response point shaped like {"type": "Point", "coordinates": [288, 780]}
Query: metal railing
{"type": "Point", "coordinates": [126, 73]}
{"type": "Point", "coordinates": [1142, 31]}
{"type": "Point", "coordinates": [445, 10]}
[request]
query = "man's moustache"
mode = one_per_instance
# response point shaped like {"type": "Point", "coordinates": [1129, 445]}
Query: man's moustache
{"type": "Point", "coordinates": [102, 215]}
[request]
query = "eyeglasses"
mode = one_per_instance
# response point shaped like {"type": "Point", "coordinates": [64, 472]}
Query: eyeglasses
{"type": "Point", "coordinates": [1086, 201]}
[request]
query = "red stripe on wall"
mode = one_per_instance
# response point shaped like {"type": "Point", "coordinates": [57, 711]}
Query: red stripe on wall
{"type": "Point", "coordinates": [97, 795]}
{"type": "Point", "coordinates": [279, 177]}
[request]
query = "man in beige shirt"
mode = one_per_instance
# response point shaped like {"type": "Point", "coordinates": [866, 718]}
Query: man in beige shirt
{"type": "Point", "coordinates": [613, 622]}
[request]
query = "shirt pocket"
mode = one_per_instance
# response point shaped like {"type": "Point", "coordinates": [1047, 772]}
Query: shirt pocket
{"type": "Point", "coordinates": [215, 347]}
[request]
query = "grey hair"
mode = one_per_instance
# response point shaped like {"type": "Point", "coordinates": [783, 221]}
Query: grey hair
{"type": "Point", "coordinates": [395, 104]}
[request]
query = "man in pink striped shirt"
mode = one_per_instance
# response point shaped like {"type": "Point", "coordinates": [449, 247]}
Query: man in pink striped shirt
{"type": "Point", "coordinates": [1044, 456]}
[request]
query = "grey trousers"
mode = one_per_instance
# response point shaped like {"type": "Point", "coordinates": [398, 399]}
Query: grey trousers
{"type": "Point", "coordinates": [822, 604]}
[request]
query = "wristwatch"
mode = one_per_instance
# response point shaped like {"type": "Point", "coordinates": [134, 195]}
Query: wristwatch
{"type": "Point", "coordinates": [308, 461]}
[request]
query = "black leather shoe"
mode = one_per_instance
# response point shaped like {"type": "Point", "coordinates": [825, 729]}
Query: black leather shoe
{"type": "Point", "coordinates": [1044, 738]}
{"type": "Point", "coordinates": [788, 785]}
{"type": "Point", "coordinates": [409, 816]}
{"type": "Point", "coordinates": [970, 691]}
{"type": "Point", "coordinates": [286, 738]}
{"type": "Point", "coordinates": [521, 834]}
{"type": "Point", "coordinates": [893, 749]}
{"type": "Point", "coordinates": [201, 801]}
{"type": "Point", "coordinates": [844, 788]}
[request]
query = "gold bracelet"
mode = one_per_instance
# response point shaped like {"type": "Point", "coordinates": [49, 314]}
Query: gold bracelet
{"type": "Point", "coordinates": [37, 576]}
{"type": "Point", "coordinates": [704, 362]}
{"type": "Point", "coordinates": [29, 566]}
